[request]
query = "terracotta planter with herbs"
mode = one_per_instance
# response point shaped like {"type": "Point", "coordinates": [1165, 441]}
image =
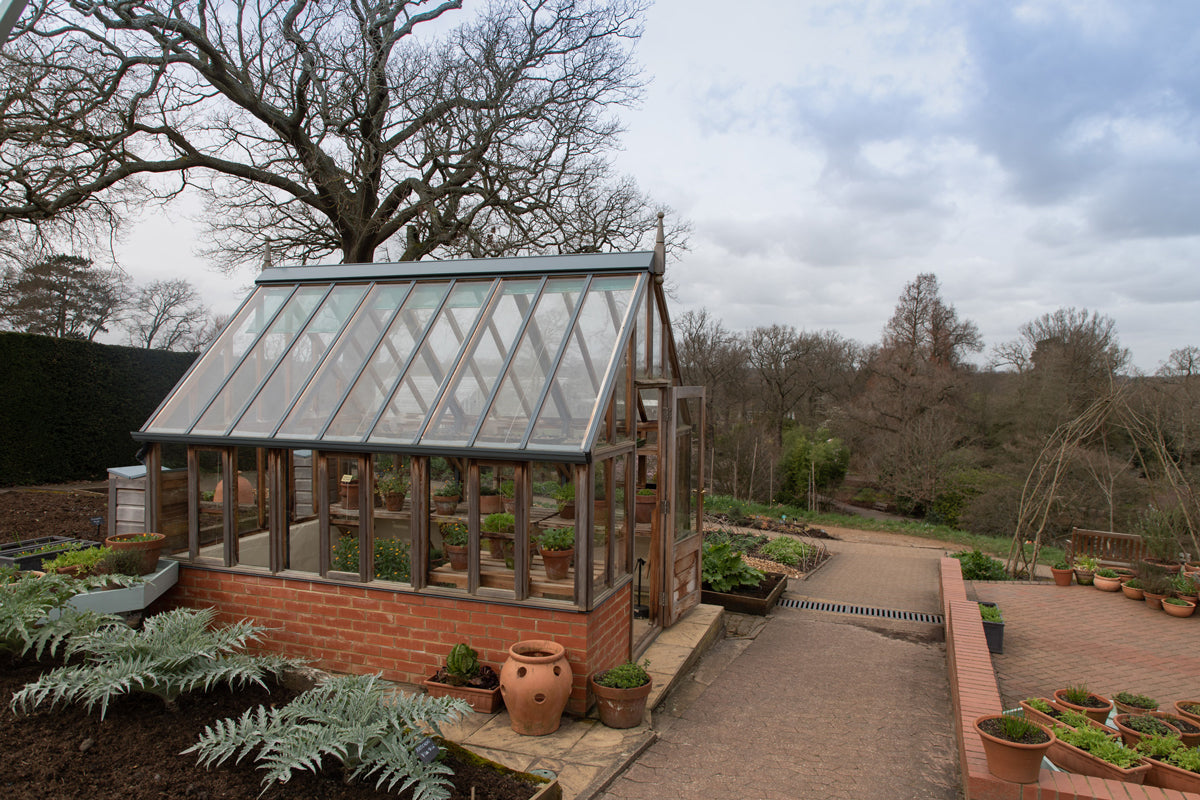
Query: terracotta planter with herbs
{"type": "Point", "coordinates": [1095, 706]}
{"type": "Point", "coordinates": [1129, 724]}
{"type": "Point", "coordinates": [1107, 583]}
{"type": "Point", "coordinates": [621, 706]}
{"type": "Point", "coordinates": [1133, 592]}
{"type": "Point", "coordinates": [1169, 776]}
{"type": "Point", "coordinates": [1178, 608]}
{"type": "Point", "coordinates": [1013, 759]}
{"type": "Point", "coordinates": [148, 544]}
{"type": "Point", "coordinates": [1188, 709]}
{"type": "Point", "coordinates": [1073, 759]}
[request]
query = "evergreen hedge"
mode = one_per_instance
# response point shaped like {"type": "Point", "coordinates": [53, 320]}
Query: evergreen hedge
{"type": "Point", "coordinates": [67, 407]}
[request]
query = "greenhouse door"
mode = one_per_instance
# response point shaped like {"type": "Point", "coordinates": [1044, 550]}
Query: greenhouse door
{"type": "Point", "coordinates": [684, 511]}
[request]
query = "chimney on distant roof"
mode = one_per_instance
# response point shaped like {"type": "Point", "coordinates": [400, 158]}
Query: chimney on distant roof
{"type": "Point", "coordinates": [267, 262]}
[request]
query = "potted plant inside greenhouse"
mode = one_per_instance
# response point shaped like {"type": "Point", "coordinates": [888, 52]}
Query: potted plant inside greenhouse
{"type": "Point", "coordinates": [557, 546]}
{"type": "Point", "coordinates": [392, 486]}
{"type": "Point", "coordinates": [446, 497]}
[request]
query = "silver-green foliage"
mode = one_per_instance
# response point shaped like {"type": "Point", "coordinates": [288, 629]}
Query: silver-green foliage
{"type": "Point", "coordinates": [346, 717]}
{"type": "Point", "coordinates": [36, 614]}
{"type": "Point", "coordinates": [174, 652]}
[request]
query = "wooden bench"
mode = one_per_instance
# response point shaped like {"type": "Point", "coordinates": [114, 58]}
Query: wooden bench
{"type": "Point", "coordinates": [1110, 549]}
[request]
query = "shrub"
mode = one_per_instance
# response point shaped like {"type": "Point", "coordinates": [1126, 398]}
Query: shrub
{"type": "Point", "coordinates": [122, 562]}
{"type": "Point", "coordinates": [626, 676]}
{"type": "Point", "coordinates": [173, 653]}
{"type": "Point", "coordinates": [990, 613]}
{"type": "Point", "coordinates": [393, 560]}
{"type": "Point", "coordinates": [723, 569]}
{"type": "Point", "coordinates": [788, 551]}
{"type": "Point", "coordinates": [978, 566]}
{"type": "Point", "coordinates": [816, 456]}
{"type": "Point", "coordinates": [348, 718]}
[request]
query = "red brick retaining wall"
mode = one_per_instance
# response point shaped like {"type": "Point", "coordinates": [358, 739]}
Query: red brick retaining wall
{"type": "Point", "coordinates": [974, 692]}
{"type": "Point", "coordinates": [403, 635]}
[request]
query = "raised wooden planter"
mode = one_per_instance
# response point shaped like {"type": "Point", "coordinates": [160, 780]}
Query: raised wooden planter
{"type": "Point", "coordinates": [744, 604]}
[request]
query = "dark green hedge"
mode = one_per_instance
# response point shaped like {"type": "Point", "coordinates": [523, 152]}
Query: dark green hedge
{"type": "Point", "coordinates": [67, 407]}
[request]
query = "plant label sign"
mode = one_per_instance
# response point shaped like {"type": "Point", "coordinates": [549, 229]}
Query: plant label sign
{"type": "Point", "coordinates": [426, 750]}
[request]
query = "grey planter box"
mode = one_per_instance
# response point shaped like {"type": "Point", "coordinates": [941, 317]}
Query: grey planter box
{"type": "Point", "coordinates": [132, 598]}
{"type": "Point", "coordinates": [57, 545]}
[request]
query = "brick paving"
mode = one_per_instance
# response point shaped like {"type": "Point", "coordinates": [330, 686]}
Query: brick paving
{"type": "Point", "coordinates": [1055, 636]}
{"type": "Point", "coordinates": [819, 705]}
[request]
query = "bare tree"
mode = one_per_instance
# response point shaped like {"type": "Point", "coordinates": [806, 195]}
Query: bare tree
{"type": "Point", "coordinates": [204, 333]}
{"type": "Point", "coordinates": [1183, 362]}
{"type": "Point", "coordinates": [331, 127]}
{"type": "Point", "coordinates": [61, 296]}
{"type": "Point", "coordinates": [165, 315]}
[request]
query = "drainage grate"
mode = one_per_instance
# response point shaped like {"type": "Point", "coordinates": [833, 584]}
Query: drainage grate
{"type": "Point", "coordinates": [846, 608]}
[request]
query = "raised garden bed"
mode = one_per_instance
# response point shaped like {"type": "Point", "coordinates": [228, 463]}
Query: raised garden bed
{"type": "Point", "coordinates": [29, 554]}
{"type": "Point", "coordinates": [751, 599]}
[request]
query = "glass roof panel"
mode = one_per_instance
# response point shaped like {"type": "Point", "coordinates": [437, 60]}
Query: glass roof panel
{"type": "Point", "coordinates": [323, 394]}
{"type": "Point", "coordinates": [567, 414]}
{"type": "Point", "coordinates": [435, 359]}
{"type": "Point", "coordinates": [375, 385]}
{"type": "Point", "coordinates": [477, 374]}
{"type": "Point", "coordinates": [256, 367]}
{"type": "Point", "coordinates": [532, 364]}
{"type": "Point", "coordinates": [293, 371]}
{"type": "Point", "coordinates": [193, 395]}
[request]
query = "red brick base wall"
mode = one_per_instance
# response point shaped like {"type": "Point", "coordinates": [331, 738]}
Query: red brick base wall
{"type": "Point", "coordinates": [974, 692]}
{"type": "Point", "coordinates": [405, 636]}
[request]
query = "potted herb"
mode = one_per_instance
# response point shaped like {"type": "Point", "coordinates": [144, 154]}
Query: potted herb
{"type": "Point", "coordinates": [499, 529]}
{"type": "Point", "coordinates": [1090, 751]}
{"type": "Point", "coordinates": [1188, 709]}
{"type": "Point", "coordinates": [508, 495]}
{"type": "Point", "coordinates": [1156, 584]}
{"type": "Point", "coordinates": [455, 537]}
{"type": "Point", "coordinates": [993, 626]}
{"type": "Point", "coordinates": [445, 499]}
{"type": "Point", "coordinates": [644, 504]}
{"type": "Point", "coordinates": [1134, 727]}
{"type": "Point", "coordinates": [1039, 709]}
{"type": "Point", "coordinates": [1062, 573]}
{"type": "Point", "coordinates": [1132, 589]}
{"type": "Point", "coordinates": [1014, 746]}
{"type": "Point", "coordinates": [462, 676]}
{"type": "Point", "coordinates": [557, 546]}
{"type": "Point", "coordinates": [1085, 570]}
{"type": "Point", "coordinates": [1173, 765]}
{"type": "Point", "coordinates": [1186, 587]}
{"type": "Point", "coordinates": [1130, 703]}
{"type": "Point", "coordinates": [489, 499]}
{"type": "Point", "coordinates": [621, 694]}
{"type": "Point", "coordinates": [392, 486]}
{"type": "Point", "coordinates": [1178, 607]}
{"type": "Point", "coordinates": [1078, 697]}
{"type": "Point", "coordinates": [148, 544]}
{"type": "Point", "coordinates": [1107, 580]}
{"type": "Point", "coordinates": [1189, 729]}
{"type": "Point", "coordinates": [564, 496]}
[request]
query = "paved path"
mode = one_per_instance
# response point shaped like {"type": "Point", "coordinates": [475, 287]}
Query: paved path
{"type": "Point", "coordinates": [817, 705]}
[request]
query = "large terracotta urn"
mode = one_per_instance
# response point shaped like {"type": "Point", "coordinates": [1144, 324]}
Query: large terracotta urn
{"type": "Point", "coordinates": [535, 682]}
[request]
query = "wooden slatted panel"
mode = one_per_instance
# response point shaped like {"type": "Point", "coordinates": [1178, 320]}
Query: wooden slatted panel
{"type": "Point", "coordinates": [1111, 549]}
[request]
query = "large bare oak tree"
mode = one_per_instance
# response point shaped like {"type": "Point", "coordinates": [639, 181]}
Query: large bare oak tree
{"type": "Point", "coordinates": [329, 127]}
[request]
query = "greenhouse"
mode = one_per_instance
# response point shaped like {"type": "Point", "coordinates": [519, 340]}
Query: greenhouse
{"type": "Point", "coordinates": [382, 460]}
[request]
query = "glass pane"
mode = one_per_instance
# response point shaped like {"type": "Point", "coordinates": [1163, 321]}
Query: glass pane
{"type": "Point", "coordinates": [574, 394]}
{"type": "Point", "coordinates": [605, 519]}
{"type": "Point", "coordinates": [295, 368]}
{"type": "Point", "coordinates": [268, 350]}
{"type": "Point", "coordinates": [476, 377]}
{"type": "Point", "coordinates": [378, 380]}
{"type": "Point", "coordinates": [552, 576]}
{"type": "Point", "coordinates": [303, 548]}
{"type": "Point", "coordinates": [324, 392]}
{"type": "Point", "coordinates": [526, 378]}
{"type": "Point", "coordinates": [686, 483]}
{"type": "Point", "coordinates": [204, 381]}
{"type": "Point", "coordinates": [431, 368]}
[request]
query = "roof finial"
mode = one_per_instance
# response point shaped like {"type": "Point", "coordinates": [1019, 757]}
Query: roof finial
{"type": "Point", "coordinates": [267, 262]}
{"type": "Point", "coordinates": [660, 246]}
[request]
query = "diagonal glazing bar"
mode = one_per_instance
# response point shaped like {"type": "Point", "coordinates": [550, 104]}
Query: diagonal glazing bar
{"type": "Point", "coordinates": [562, 348]}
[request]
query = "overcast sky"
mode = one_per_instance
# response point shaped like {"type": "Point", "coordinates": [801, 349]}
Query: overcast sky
{"type": "Point", "coordinates": [1032, 155]}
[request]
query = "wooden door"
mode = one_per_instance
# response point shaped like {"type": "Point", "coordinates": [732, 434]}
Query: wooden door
{"type": "Point", "coordinates": [683, 512]}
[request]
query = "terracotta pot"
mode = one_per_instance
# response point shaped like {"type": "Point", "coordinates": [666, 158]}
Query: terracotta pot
{"type": "Point", "coordinates": [1131, 592]}
{"type": "Point", "coordinates": [1179, 611]}
{"type": "Point", "coordinates": [1189, 729]}
{"type": "Point", "coordinates": [644, 509]}
{"type": "Point", "coordinates": [245, 492]}
{"type": "Point", "coordinates": [1013, 761]}
{"type": "Point", "coordinates": [497, 546]}
{"type": "Point", "coordinates": [558, 562]}
{"type": "Point", "coordinates": [1171, 567]}
{"type": "Point", "coordinates": [1062, 577]}
{"type": "Point", "coordinates": [457, 556]}
{"type": "Point", "coordinates": [393, 501]}
{"type": "Point", "coordinates": [1182, 706]}
{"type": "Point", "coordinates": [1072, 759]}
{"type": "Point", "coordinates": [620, 708]}
{"type": "Point", "coordinates": [149, 549]}
{"type": "Point", "coordinates": [510, 505]}
{"type": "Point", "coordinates": [489, 504]}
{"type": "Point", "coordinates": [567, 510]}
{"type": "Point", "coordinates": [1125, 708]}
{"type": "Point", "coordinates": [1130, 736]}
{"type": "Point", "coordinates": [348, 492]}
{"type": "Point", "coordinates": [535, 682]}
{"type": "Point", "coordinates": [1107, 584]}
{"type": "Point", "coordinates": [1153, 600]}
{"type": "Point", "coordinates": [1084, 576]}
{"type": "Point", "coordinates": [483, 701]}
{"type": "Point", "coordinates": [1169, 776]}
{"type": "Point", "coordinates": [445, 505]}
{"type": "Point", "coordinates": [1034, 715]}
{"type": "Point", "coordinates": [1098, 714]}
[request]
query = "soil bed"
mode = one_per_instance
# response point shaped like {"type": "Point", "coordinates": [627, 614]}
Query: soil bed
{"type": "Point", "coordinates": [31, 513]}
{"type": "Point", "coordinates": [135, 752]}
{"type": "Point", "coordinates": [995, 728]}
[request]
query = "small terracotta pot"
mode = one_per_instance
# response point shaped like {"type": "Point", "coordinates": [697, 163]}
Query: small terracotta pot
{"type": "Point", "coordinates": [1013, 761]}
{"type": "Point", "coordinates": [1098, 714]}
{"type": "Point", "coordinates": [457, 556]}
{"type": "Point", "coordinates": [393, 501]}
{"type": "Point", "coordinates": [1153, 600]}
{"type": "Point", "coordinates": [445, 505]}
{"type": "Point", "coordinates": [1133, 593]}
{"type": "Point", "coordinates": [620, 708]}
{"type": "Point", "coordinates": [1182, 706]}
{"type": "Point", "coordinates": [1107, 584]}
{"type": "Point", "coordinates": [557, 562]}
{"type": "Point", "coordinates": [644, 509]}
{"type": "Point", "coordinates": [1179, 611]}
{"type": "Point", "coordinates": [1062, 577]}
{"type": "Point", "coordinates": [535, 682]}
{"type": "Point", "coordinates": [567, 510]}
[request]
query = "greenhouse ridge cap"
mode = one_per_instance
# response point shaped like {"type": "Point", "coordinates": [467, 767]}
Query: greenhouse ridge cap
{"type": "Point", "coordinates": [518, 265]}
